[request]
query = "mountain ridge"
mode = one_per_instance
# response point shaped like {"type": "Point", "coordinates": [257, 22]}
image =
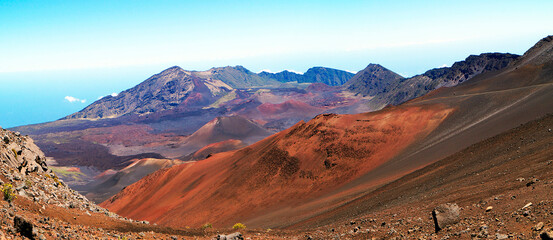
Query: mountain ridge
{"type": "Point", "coordinates": [402, 90]}
{"type": "Point", "coordinates": [328, 76]}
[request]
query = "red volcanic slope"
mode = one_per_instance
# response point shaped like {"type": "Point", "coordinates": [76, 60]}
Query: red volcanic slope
{"type": "Point", "coordinates": [286, 169]}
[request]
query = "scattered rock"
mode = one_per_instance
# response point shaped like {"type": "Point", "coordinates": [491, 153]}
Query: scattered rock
{"type": "Point", "coordinates": [232, 236]}
{"type": "Point", "coordinates": [538, 227]}
{"type": "Point", "coordinates": [526, 213]}
{"type": "Point", "coordinates": [483, 232]}
{"type": "Point", "coordinates": [445, 215]}
{"type": "Point", "coordinates": [532, 182]}
{"type": "Point", "coordinates": [500, 236]}
{"type": "Point", "coordinates": [489, 208]}
{"type": "Point", "coordinates": [527, 205]}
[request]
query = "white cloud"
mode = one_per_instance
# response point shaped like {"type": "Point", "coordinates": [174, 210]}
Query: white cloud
{"type": "Point", "coordinates": [443, 66]}
{"type": "Point", "coordinates": [74, 99]}
{"type": "Point", "coordinates": [114, 94]}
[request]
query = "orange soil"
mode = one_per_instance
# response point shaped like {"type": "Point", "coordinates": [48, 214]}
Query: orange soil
{"type": "Point", "coordinates": [321, 155]}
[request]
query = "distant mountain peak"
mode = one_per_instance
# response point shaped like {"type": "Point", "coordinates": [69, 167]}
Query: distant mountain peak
{"type": "Point", "coordinates": [171, 88]}
{"type": "Point", "coordinates": [372, 80]}
{"type": "Point", "coordinates": [240, 68]}
{"type": "Point", "coordinates": [174, 68]}
{"type": "Point", "coordinates": [374, 65]}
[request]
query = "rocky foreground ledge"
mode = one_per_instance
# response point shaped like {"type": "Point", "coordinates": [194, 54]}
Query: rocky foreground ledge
{"type": "Point", "coordinates": [36, 204]}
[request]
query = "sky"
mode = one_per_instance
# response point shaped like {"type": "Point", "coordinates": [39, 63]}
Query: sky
{"type": "Point", "coordinates": [57, 57]}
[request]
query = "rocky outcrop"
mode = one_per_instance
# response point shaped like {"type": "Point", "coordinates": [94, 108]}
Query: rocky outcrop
{"type": "Point", "coordinates": [23, 166]}
{"type": "Point", "coordinates": [20, 153]}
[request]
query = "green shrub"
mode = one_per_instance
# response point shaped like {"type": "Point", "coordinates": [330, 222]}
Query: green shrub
{"type": "Point", "coordinates": [238, 226]}
{"type": "Point", "coordinates": [207, 225]}
{"type": "Point", "coordinates": [28, 183]}
{"type": "Point", "coordinates": [9, 193]}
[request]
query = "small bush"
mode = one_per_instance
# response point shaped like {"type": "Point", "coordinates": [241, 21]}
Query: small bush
{"type": "Point", "coordinates": [207, 225]}
{"type": "Point", "coordinates": [238, 226]}
{"type": "Point", "coordinates": [28, 183]}
{"type": "Point", "coordinates": [9, 193]}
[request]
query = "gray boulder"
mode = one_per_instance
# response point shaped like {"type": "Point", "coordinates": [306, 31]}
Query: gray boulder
{"type": "Point", "coordinates": [232, 236]}
{"type": "Point", "coordinates": [445, 215]}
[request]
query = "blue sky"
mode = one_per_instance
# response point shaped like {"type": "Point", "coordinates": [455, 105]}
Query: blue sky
{"type": "Point", "coordinates": [85, 49]}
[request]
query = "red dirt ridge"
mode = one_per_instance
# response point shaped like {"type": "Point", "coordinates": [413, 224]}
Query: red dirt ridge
{"type": "Point", "coordinates": [320, 156]}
